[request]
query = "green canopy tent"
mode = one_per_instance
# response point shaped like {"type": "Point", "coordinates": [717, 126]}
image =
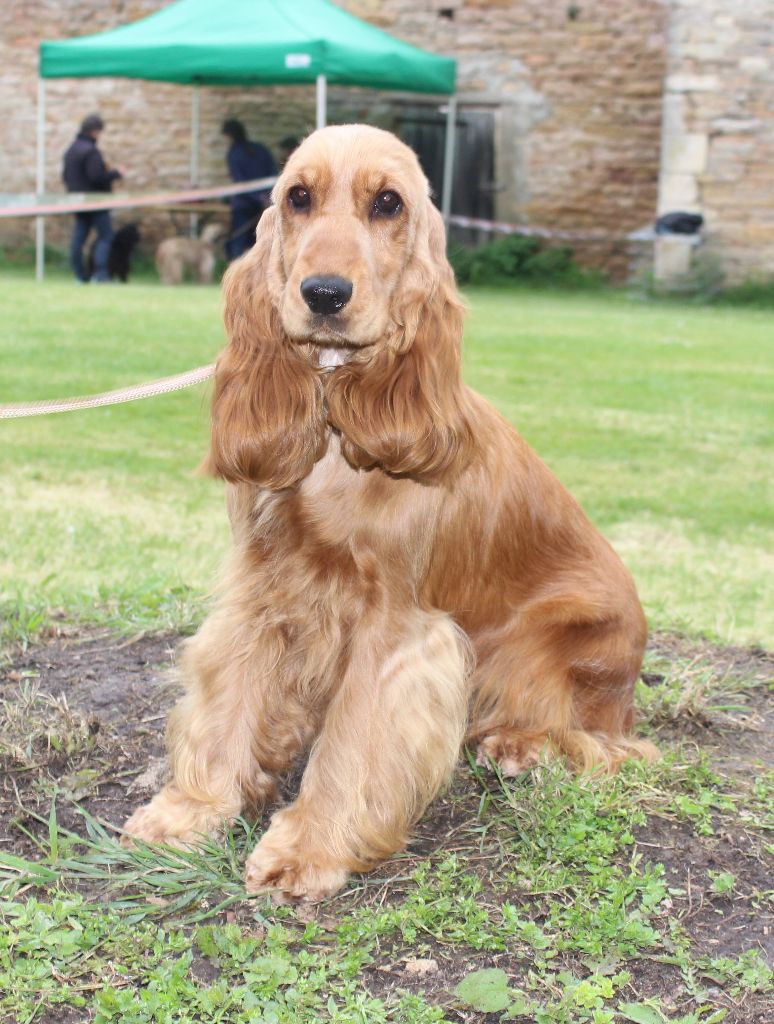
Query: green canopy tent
{"type": "Point", "coordinates": [251, 42]}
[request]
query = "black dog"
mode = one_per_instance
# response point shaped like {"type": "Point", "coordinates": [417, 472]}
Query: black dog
{"type": "Point", "coordinates": [124, 240]}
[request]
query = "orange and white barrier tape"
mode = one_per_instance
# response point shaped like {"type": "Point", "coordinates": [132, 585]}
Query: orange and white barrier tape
{"type": "Point", "coordinates": [29, 205]}
{"type": "Point", "coordinates": [505, 228]}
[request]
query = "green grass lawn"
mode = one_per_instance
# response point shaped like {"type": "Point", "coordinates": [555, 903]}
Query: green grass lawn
{"type": "Point", "coordinates": [546, 899]}
{"type": "Point", "coordinates": [657, 416]}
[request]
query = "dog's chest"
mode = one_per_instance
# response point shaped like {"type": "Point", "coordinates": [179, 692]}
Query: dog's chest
{"type": "Point", "coordinates": [332, 492]}
{"type": "Point", "coordinates": [324, 507]}
{"type": "Point", "coordinates": [338, 506]}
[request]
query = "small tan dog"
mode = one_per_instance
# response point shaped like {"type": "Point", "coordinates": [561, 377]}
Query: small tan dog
{"type": "Point", "coordinates": [175, 254]}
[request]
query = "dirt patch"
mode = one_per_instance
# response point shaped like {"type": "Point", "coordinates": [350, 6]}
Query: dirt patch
{"type": "Point", "coordinates": [89, 712]}
{"type": "Point", "coordinates": [96, 708]}
{"type": "Point", "coordinates": [721, 924]}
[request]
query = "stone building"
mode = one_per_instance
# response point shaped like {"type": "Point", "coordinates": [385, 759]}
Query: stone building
{"type": "Point", "coordinates": [586, 117]}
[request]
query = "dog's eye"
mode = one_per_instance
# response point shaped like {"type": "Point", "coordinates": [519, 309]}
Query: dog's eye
{"type": "Point", "coordinates": [299, 198]}
{"type": "Point", "coordinates": [387, 204]}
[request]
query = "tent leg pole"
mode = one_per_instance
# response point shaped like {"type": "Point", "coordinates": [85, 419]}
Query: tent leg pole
{"type": "Point", "coordinates": [448, 160]}
{"type": "Point", "coordinates": [322, 101]}
{"type": "Point", "coordinates": [40, 182]}
{"type": "Point", "coordinates": [193, 227]}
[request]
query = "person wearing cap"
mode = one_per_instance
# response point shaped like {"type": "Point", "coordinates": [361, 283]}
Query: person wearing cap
{"type": "Point", "coordinates": [246, 161]}
{"type": "Point", "coordinates": [84, 170]}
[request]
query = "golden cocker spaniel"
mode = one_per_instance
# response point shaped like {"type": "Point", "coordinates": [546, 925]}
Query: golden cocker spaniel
{"type": "Point", "coordinates": [406, 575]}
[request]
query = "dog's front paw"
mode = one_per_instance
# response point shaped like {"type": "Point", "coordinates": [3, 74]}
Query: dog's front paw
{"type": "Point", "coordinates": [146, 825]}
{"type": "Point", "coordinates": [291, 878]}
{"type": "Point", "coordinates": [291, 867]}
{"type": "Point", "coordinates": [173, 819]}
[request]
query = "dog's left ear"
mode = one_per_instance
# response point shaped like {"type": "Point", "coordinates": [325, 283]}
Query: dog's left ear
{"type": "Point", "coordinates": [403, 407]}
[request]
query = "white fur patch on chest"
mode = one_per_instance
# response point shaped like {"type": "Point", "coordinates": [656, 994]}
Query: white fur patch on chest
{"type": "Point", "coordinates": [333, 357]}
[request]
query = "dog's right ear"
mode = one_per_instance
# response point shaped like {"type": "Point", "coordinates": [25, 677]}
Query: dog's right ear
{"type": "Point", "coordinates": [268, 413]}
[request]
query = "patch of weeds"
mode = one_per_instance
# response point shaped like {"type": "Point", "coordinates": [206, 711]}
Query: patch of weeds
{"type": "Point", "coordinates": [573, 856]}
{"type": "Point", "coordinates": [694, 792]}
{"type": "Point", "coordinates": [690, 790]}
{"type": "Point", "coordinates": [21, 623]}
{"type": "Point", "coordinates": [722, 882]}
{"type": "Point", "coordinates": [444, 905]}
{"type": "Point", "coordinates": [569, 883]}
{"type": "Point", "coordinates": [36, 728]}
{"type": "Point", "coordinates": [521, 259]}
{"type": "Point", "coordinates": [571, 853]}
{"type": "Point", "coordinates": [650, 1012]}
{"type": "Point", "coordinates": [190, 884]}
{"type": "Point", "coordinates": [117, 956]}
{"type": "Point", "coordinates": [752, 292]}
{"type": "Point", "coordinates": [558, 893]}
{"type": "Point", "coordinates": [674, 690]}
{"type": "Point", "coordinates": [743, 974]}
{"type": "Point", "coordinates": [563, 996]}
{"type": "Point", "coordinates": [756, 805]}
{"type": "Point", "coordinates": [69, 953]}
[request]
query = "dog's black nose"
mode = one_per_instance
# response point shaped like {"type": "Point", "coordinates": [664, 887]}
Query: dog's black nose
{"type": "Point", "coordinates": [326, 293]}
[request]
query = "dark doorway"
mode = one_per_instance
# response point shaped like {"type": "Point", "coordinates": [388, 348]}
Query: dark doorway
{"type": "Point", "coordinates": [423, 127]}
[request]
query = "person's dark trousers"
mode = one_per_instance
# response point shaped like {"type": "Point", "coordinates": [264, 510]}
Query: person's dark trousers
{"type": "Point", "coordinates": [244, 217]}
{"type": "Point", "coordinates": [84, 222]}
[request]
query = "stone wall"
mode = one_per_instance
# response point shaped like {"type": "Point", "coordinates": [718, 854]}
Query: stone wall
{"type": "Point", "coordinates": [577, 102]}
{"type": "Point", "coordinates": [576, 91]}
{"type": "Point", "coordinates": [718, 128]}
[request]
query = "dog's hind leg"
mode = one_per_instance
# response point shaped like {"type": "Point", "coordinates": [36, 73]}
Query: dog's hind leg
{"type": "Point", "coordinates": [559, 683]}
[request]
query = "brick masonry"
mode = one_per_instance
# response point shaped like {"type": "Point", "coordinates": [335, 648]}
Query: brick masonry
{"type": "Point", "coordinates": [605, 111]}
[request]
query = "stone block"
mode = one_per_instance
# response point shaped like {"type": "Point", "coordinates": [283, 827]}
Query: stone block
{"type": "Point", "coordinates": [692, 83]}
{"type": "Point", "coordinates": [684, 154]}
{"type": "Point", "coordinates": [735, 125]}
{"type": "Point", "coordinates": [678, 192]}
{"type": "Point", "coordinates": [673, 116]}
{"type": "Point", "coordinates": [754, 64]}
{"type": "Point", "coordinates": [671, 257]}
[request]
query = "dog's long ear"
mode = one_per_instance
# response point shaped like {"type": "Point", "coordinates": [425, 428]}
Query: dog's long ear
{"type": "Point", "coordinates": [268, 416]}
{"type": "Point", "coordinates": [402, 408]}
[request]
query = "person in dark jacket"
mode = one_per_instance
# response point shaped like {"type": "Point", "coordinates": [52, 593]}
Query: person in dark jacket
{"type": "Point", "coordinates": [246, 160]}
{"type": "Point", "coordinates": [84, 170]}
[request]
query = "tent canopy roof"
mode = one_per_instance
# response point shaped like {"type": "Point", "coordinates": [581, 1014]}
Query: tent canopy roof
{"type": "Point", "coordinates": [251, 42]}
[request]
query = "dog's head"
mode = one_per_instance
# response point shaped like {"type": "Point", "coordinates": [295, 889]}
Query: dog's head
{"type": "Point", "coordinates": [351, 213]}
{"type": "Point", "coordinates": [348, 271]}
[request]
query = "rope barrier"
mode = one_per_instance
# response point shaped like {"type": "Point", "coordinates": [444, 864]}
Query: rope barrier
{"type": "Point", "coordinates": [129, 394]}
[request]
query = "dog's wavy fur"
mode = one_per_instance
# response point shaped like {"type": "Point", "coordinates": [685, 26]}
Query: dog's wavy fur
{"type": "Point", "coordinates": [174, 255]}
{"type": "Point", "coordinates": [406, 573]}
